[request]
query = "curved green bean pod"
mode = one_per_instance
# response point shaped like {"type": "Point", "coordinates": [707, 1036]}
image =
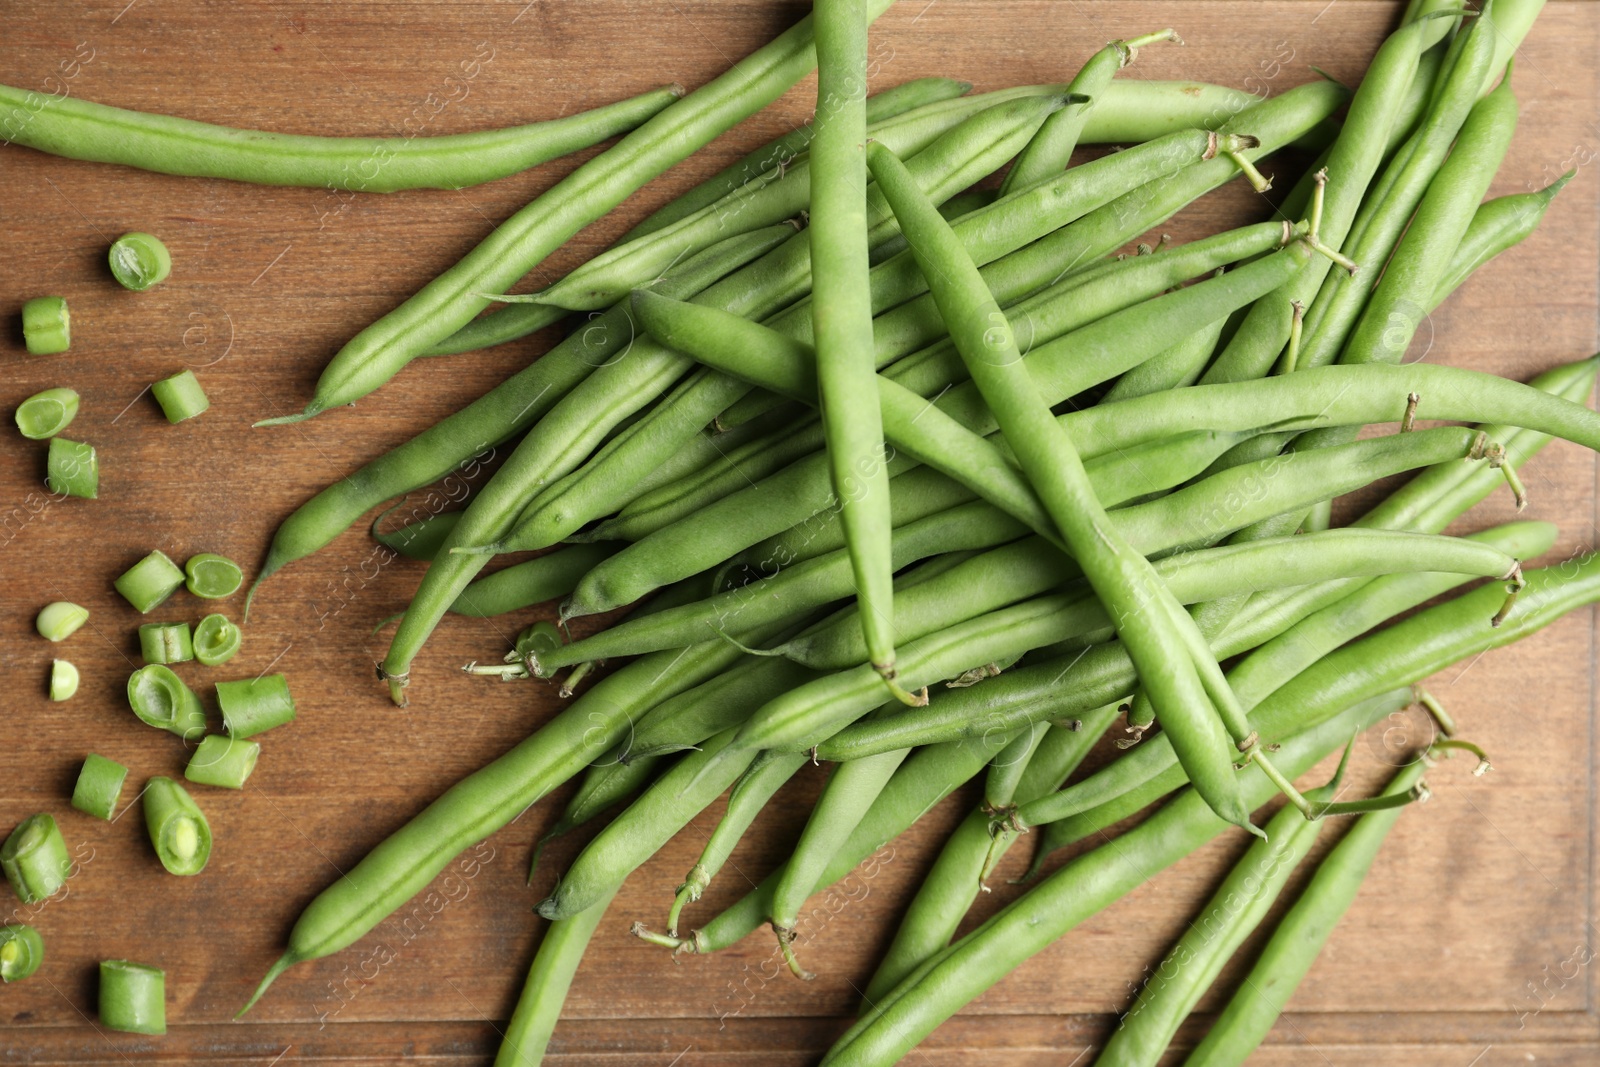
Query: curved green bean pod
{"type": "Point", "coordinates": [782, 151]}
{"type": "Point", "coordinates": [648, 823]}
{"type": "Point", "coordinates": [765, 776]}
{"type": "Point", "coordinates": [1301, 933]}
{"type": "Point", "coordinates": [549, 979]}
{"type": "Point", "coordinates": [1051, 148]}
{"type": "Point", "coordinates": [1078, 890]}
{"type": "Point", "coordinates": [520, 243]}
{"type": "Point", "coordinates": [459, 442]}
{"type": "Point", "coordinates": [82, 129]}
{"type": "Point", "coordinates": [416, 540]}
{"type": "Point", "coordinates": [1497, 225]}
{"type": "Point", "coordinates": [489, 798]}
{"type": "Point", "coordinates": [1171, 990]}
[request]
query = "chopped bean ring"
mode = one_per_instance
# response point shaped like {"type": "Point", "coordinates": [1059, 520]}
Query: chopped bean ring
{"type": "Point", "coordinates": [178, 828]}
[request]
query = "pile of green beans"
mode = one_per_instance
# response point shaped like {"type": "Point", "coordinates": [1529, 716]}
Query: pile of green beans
{"type": "Point", "coordinates": [928, 483]}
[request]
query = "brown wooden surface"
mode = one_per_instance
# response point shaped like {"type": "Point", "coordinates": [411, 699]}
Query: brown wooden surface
{"type": "Point", "coordinates": [1456, 952]}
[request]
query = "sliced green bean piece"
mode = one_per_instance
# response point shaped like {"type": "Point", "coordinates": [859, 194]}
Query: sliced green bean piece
{"type": "Point", "coordinates": [212, 577]}
{"type": "Point", "coordinates": [47, 413]}
{"type": "Point", "coordinates": [139, 260]}
{"type": "Point", "coordinates": [35, 858]}
{"type": "Point", "coordinates": [1300, 934]}
{"type": "Point", "coordinates": [177, 827]}
{"type": "Point", "coordinates": [147, 584]}
{"type": "Point", "coordinates": [166, 642]}
{"type": "Point", "coordinates": [99, 786]}
{"type": "Point", "coordinates": [21, 951]}
{"type": "Point", "coordinates": [216, 639]}
{"type": "Point", "coordinates": [254, 705]}
{"type": "Point", "coordinates": [72, 469]}
{"type": "Point", "coordinates": [160, 699]}
{"type": "Point", "coordinates": [133, 997]}
{"type": "Point", "coordinates": [63, 680]}
{"type": "Point", "coordinates": [46, 325]}
{"type": "Point", "coordinates": [180, 396]}
{"type": "Point", "coordinates": [60, 620]}
{"type": "Point", "coordinates": [225, 762]}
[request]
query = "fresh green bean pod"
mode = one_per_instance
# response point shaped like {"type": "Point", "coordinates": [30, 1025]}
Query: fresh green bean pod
{"type": "Point", "coordinates": [1178, 366]}
{"type": "Point", "coordinates": [534, 581]}
{"type": "Point", "coordinates": [463, 441]}
{"type": "Point", "coordinates": [178, 828]}
{"type": "Point", "coordinates": [21, 951]}
{"type": "Point", "coordinates": [538, 1007]}
{"type": "Point", "coordinates": [82, 129]}
{"type": "Point", "coordinates": [1300, 934]}
{"type": "Point", "coordinates": [405, 862]}
{"type": "Point", "coordinates": [1497, 225]}
{"type": "Point", "coordinates": [764, 777]}
{"type": "Point", "coordinates": [34, 858]}
{"type": "Point", "coordinates": [1170, 991]}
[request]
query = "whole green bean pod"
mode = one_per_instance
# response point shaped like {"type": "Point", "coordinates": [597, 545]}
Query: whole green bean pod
{"type": "Point", "coordinates": [489, 798]}
{"type": "Point", "coordinates": [1051, 148]}
{"type": "Point", "coordinates": [82, 129]}
{"type": "Point", "coordinates": [1497, 225]}
{"type": "Point", "coordinates": [1170, 991]}
{"type": "Point", "coordinates": [458, 442]}
{"type": "Point", "coordinates": [1301, 933]}
{"type": "Point", "coordinates": [520, 243]}
{"type": "Point", "coordinates": [545, 990]}
{"type": "Point", "coordinates": [530, 582]}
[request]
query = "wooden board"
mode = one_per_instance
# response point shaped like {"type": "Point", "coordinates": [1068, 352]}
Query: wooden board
{"type": "Point", "coordinates": [1466, 946]}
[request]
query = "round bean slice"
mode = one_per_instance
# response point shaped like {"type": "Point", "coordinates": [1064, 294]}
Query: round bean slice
{"type": "Point", "coordinates": [21, 951]}
{"type": "Point", "coordinates": [139, 260]}
{"type": "Point", "coordinates": [47, 413]}
{"type": "Point", "coordinates": [177, 827]}
{"type": "Point", "coordinates": [212, 577]}
{"type": "Point", "coordinates": [216, 639]}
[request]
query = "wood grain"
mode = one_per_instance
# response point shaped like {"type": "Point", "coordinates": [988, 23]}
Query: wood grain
{"type": "Point", "coordinates": [1456, 949]}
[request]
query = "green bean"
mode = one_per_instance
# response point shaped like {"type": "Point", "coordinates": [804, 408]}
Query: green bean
{"type": "Point", "coordinates": [1078, 890]}
{"type": "Point", "coordinates": [216, 640]}
{"type": "Point", "coordinates": [1397, 195]}
{"type": "Point", "coordinates": [72, 469]}
{"type": "Point", "coordinates": [46, 414]}
{"type": "Point", "coordinates": [764, 777]}
{"type": "Point", "coordinates": [21, 951]}
{"type": "Point", "coordinates": [226, 762]}
{"type": "Point", "coordinates": [1512, 21]}
{"type": "Point", "coordinates": [640, 831]}
{"type": "Point", "coordinates": [1496, 226]}
{"type": "Point", "coordinates": [927, 777]}
{"type": "Point", "coordinates": [252, 706]}
{"type": "Point", "coordinates": [685, 720]}
{"type": "Point", "coordinates": [180, 396]}
{"type": "Point", "coordinates": [1301, 933]}
{"type": "Point", "coordinates": [133, 997]}
{"type": "Point", "coordinates": [780, 152]}
{"type": "Point", "coordinates": [177, 827]}
{"type": "Point", "coordinates": [850, 790]}
{"type": "Point", "coordinates": [212, 577]}
{"type": "Point", "coordinates": [63, 680]}
{"type": "Point", "coordinates": [34, 858]}
{"type": "Point", "coordinates": [1178, 366]}
{"type": "Point", "coordinates": [818, 579]}
{"type": "Point", "coordinates": [520, 243]}
{"type": "Point", "coordinates": [1051, 148]}
{"type": "Point", "coordinates": [530, 582]}
{"type": "Point", "coordinates": [538, 1007]}
{"type": "Point", "coordinates": [1354, 159]}
{"type": "Point", "coordinates": [420, 539]}
{"type": "Point", "coordinates": [46, 325]}
{"type": "Point", "coordinates": [59, 620]}
{"type": "Point", "coordinates": [166, 642]}
{"type": "Point", "coordinates": [1101, 674]}
{"type": "Point", "coordinates": [489, 798]}
{"type": "Point", "coordinates": [147, 584]}
{"type": "Point", "coordinates": [139, 261]}
{"type": "Point", "coordinates": [1170, 991]}
{"type": "Point", "coordinates": [460, 442]}
{"type": "Point", "coordinates": [607, 783]}
{"type": "Point", "coordinates": [160, 699]}
{"type": "Point", "coordinates": [82, 129]}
